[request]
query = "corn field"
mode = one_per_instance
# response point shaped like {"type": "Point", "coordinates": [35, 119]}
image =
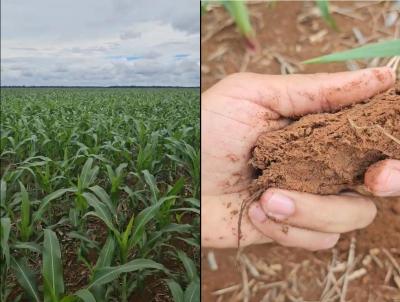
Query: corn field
{"type": "Point", "coordinates": [99, 193]}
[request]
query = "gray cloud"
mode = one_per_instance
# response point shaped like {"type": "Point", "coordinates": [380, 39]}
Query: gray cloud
{"type": "Point", "coordinates": [181, 14]}
{"type": "Point", "coordinates": [105, 42]}
{"type": "Point", "coordinates": [130, 34]}
{"type": "Point", "coordinates": [152, 54]}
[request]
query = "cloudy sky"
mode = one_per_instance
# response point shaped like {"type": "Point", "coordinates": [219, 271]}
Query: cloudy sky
{"type": "Point", "coordinates": [100, 42]}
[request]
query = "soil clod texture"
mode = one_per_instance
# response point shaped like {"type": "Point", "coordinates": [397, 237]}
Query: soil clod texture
{"type": "Point", "coordinates": [327, 153]}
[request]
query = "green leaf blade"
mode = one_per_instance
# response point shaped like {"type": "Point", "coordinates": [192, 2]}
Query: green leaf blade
{"type": "Point", "coordinates": [323, 6]}
{"type": "Point", "coordinates": [25, 278]}
{"type": "Point", "coordinates": [189, 265]}
{"type": "Point", "coordinates": [176, 290]}
{"type": "Point", "coordinates": [373, 50]}
{"type": "Point", "coordinates": [108, 274]}
{"type": "Point", "coordinates": [85, 295]}
{"type": "Point", "coordinates": [5, 227]}
{"type": "Point", "coordinates": [52, 265]}
{"type": "Point", "coordinates": [192, 292]}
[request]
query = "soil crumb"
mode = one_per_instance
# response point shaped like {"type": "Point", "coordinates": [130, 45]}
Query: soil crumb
{"type": "Point", "coordinates": [326, 153]}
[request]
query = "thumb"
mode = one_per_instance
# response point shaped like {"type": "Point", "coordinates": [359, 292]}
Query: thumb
{"type": "Point", "coordinates": [297, 95]}
{"type": "Point", "coordinates": [383, 178]}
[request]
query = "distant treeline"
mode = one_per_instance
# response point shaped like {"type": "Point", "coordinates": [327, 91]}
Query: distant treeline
{"type": "Point", "coordinates": [99, 86]}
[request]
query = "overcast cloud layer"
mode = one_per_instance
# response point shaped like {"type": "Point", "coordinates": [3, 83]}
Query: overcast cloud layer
{"type": "Point", "coordinates": [100, 42]}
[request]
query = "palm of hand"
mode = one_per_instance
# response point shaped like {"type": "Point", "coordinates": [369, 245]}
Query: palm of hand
{"type": "Point", "coordinates": [232, 123]}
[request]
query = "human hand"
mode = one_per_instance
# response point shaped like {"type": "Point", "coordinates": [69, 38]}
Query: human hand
{"type": "Point", "coordinates": [383, 178]}
{"type": "Point", "coordinates": [241, 107]}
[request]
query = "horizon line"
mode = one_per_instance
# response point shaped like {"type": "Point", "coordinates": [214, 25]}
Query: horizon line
{"type": "Point", "coordinates": [97, 86]}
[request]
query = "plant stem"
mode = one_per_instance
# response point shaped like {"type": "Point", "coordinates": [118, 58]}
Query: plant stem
{"type": "Point", "coordinates": [124, 289]}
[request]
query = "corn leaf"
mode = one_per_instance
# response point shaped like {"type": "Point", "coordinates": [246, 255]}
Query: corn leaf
{"type": "Point", "coordinates": [151, 182]}
{"type": "Point", "coordinates": [128, 231]}
{"type": "Point", "coordinates": [81, 295]}
{"type": "Point", "coordinates": [104, 197]}
{"type": "Point", "coordinates": [3, 193]}
{"type": "Point", "coordinates": [176, 290]}
{"type": "Point", "coordinates": [120, 168]}
{"type": "Point", "coordinates": [323, 6]}
{"type": "Point", "coordinates": [88, 174]}
{"type": "Point", "coordinates": [52, 266]}
{"type": "Point", "coordinates": [373, 50]}
{"type": "Point", "coordinates": [143, 218]}
{"type": "Point", "coordinates": [46, 200]}
{"type": "Point", "coordinates": [177, 188]}
{"type": "Point", "coordinates": [197, 211]}
{"type": "Point", "coordinates": [5, 227]}
{"type": "Point", "coordinates": [106, 253]}
{"type": "Point", "coordinates": [104, 260]}
{"type": "Point", "coordinates": [82, 237]}
{"type": "Point", "coordinates": [85, 295]}
{"type": "Point", "coordinates": [175, 227]}
{"type": "Point", "coordinates": [101, 210]}
{"type": "Point", "coordinates": [24, 226]}
{"type": "Point", "coordinates": [25, 278]}
{"type": "Point", "coordinates": [192, 292]}
{"type": "Point", "coordinates": [238, 11]}
{"type": "Point", "coordinates": [191, 241]}
{"type": "Point", "coordinates": [194, 202]}
{"type": "Point", "coordinates": [110, 172]}
{"type": "Point", "coordinates": [108, 274]}
{"type": "Point", "coordinates": [188, 264]}
{"type": "Point", "coordinates": [69, 298]}
{"type": "Point", "coordinates": [33, 247]}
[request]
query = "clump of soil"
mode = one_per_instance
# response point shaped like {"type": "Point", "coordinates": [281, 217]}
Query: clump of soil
{"type": "Point", "coordinates": [329, 152]}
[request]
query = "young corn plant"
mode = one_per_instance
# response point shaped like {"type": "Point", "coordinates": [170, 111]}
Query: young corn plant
{"type": "Point", "coordinates": [116, 178]}
{"type": "Point", "coordinates": [53, 282]}
{"type": "Point", "coordinates": [147, 154]}
{"type": "Point", "coordinates": [130, 238]}
{"type": "Point", "coordinates": [25, 226]}
{"type": "Point", "coordinates": [192, 208]}
{"type": "Point", "coordinates": [52, 273]}
{"type": "Point", "coordinates": [190, 292]}
{"type": "Point", "coordinates": [5, 229]}
{"type": "Point", "coordinates": [187, 157]}
{"type": "Point", "coordinates": [239, 12]}
{"type": "Point", "coordinates": [86, 178]}
{"type": "Point", "coordinates": [31, 213]}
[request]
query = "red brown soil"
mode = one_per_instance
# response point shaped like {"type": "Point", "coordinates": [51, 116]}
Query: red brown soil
{"type": "Point", "coordinates": [280, 31]}
{"type": "Point", "coordinates": [327, 153]}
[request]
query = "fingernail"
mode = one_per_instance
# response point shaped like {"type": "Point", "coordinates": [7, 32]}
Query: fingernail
{"type": "Point", "coordinates": [331, 240]}
{"type": "Point", "coordinates": [383, 180]}
{"type": "Point", "coordinates": [393, 181]}
{"type": "Point", "coordinates": [278, 205]}
{"type": "Point", "coordinates": [256, 213]}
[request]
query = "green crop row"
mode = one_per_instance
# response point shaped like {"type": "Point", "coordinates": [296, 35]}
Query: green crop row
{"type": "Point", "coordinates": [105, 181]}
